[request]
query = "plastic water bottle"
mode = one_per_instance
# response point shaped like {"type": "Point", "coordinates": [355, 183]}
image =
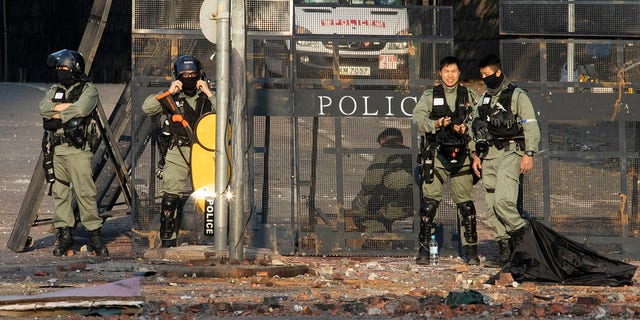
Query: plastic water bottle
{"type": "Point", "coordinates": [433, 251]}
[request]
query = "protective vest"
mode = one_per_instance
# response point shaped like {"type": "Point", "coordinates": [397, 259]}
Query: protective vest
{"type": "Point", "coordinates": [440, 108]}
{"type": "Point", "coordinates": [191, 115]}
{"type": "Point", "coordinates": [75, 130]}
{"type": "Point", "coordinates": [501, 121]}
{"type": "Point", "coordinates": [73, 96]}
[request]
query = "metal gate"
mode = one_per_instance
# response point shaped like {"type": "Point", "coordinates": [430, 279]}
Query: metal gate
{"type": "Point", "coordinates": [315, 116]}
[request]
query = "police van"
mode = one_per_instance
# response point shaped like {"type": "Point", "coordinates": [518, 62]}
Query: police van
{"type": "Point", "coordinates": [364, 31]}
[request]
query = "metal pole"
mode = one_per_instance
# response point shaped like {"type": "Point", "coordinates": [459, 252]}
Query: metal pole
{"type": "Point", "coordinates": [571, 28]}
{"type": "Point", "coordinates": [221, 217]}
{"type": "Point", "coordinates": [5, 62]}
{"type": "Point", "coordinates": [239, 122]}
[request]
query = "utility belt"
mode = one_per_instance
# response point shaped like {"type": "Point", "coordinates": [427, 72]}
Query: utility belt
{"type": "Point", "coordinates": [509, 144]}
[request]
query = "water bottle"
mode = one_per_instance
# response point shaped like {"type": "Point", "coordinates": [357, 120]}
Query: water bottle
{"type": "Point", "coordinates": [433, 251]}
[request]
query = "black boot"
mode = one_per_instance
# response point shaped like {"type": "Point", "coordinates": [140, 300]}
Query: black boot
{"type": "Point", "coordinates": [423, 254]}
{"type": "Point", "coordinates": [467, 214]}
{"type": "Point", "coordinates": [65, 242]}
{"type": "Point", "coordinates": [471, 254]}
{"type": "Point", "coordinates": [517, 237]}
{"type": "Point", "coordinates": [504, 254]}
{"type": "Point", "coordinates": [95, 241]}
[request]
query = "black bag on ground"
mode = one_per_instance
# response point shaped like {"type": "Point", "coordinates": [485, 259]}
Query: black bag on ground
{"type": "Point", "coordinates": [546, 256]}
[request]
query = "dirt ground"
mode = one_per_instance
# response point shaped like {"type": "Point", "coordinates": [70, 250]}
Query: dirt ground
{"type": "Point", "coordinates": [193, 282]}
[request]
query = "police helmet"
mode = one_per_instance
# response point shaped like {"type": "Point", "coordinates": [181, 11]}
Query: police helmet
{"type": "Point", "coordinates": [68, 58]}
{"type": "Point", "coordinates": [186, 63]}
{"type": "Point", "coordinates": [454, 153]}
{"type": "Point", "coordinates": [390, 132]}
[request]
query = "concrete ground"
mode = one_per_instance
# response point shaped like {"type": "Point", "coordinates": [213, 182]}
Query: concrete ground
{"type": "Point", "coordinates": [185, 283]}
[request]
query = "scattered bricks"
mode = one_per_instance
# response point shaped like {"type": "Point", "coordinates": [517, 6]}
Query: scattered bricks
{"type": "Point", "coordinates": [474, 308]}
{"type": "Point", "coordinates": [274, 301]}
{"type": "Point", "coordinates": [404, 305]}
{"type": "Point", "coordinates": [77, 266]}
{"type": "Point", "coordinates": [302, 296]}
{"type": "Point", "coordinates": [581, 310]}
{"type": "Point", "coordinates": [601, 299]}
{"type": "Point", "coordinates": [460, 268]}
{"type": "Point", "coordinates": [529, 286]}
{"type": "Point", "coordinates": [431, 299]}
{"type": "Point", "coordinates": [526, 309]}
{"type": "Point", "coordinates": [599, 313]}
{"type": "Point", "coordinates": [587, 301]}
{"type": "Point", "coordinates": [557, 309]}
{"type": "Point", "coordinates": [196, 308]}
{"type": "Point", "coordinates": [418, 292]}
{"type": "Point", "coordinates": [504, 280]}
{"type": "Point", "coordinates": [325, 306]}
{"type": "Point", "coordinates": [376, 302]}
{"type": "Point", "coordinates": [354, 308]}
{"type": "Point", "coordinates": [337, 276]}
{"type": "Point", "coordinates": [617, 310]}
{"type": "Point", "coordinates": [221, 306]}
{"type": "Point", "coordinates": [444, 311]}
{"type": "Point", "coordinates": [324, 296]}
{"type": "Point", "coordinates": [540, 312]}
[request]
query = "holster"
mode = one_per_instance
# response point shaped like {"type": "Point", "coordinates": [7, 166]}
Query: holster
{"type": "Point", "coordinates": [47, 157]}
{"type": "Point", "coordinates": [426, 159]}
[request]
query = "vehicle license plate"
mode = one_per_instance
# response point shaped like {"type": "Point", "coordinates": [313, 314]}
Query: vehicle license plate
{"type": "Point", "coordinates": [388, 62]}
{"type": "Point", "coordinates": [354, 71]}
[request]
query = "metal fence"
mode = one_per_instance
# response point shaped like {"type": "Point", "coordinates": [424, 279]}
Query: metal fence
{"type": "Point", "coordinates": [581, 71]}
{"type": "Point", "coordinates": [570, 18]}
{"type": "Point", "coordinates": [317, 102]}
{"type": "Point", "coordinates": [596, 63]}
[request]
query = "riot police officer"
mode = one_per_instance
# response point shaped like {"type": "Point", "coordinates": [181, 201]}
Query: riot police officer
{"type": "Point", "coordinates": [386, 193]}
{"type": "Point", "coordinates": [193, 98]}
{"type": "Point", "coordinates": [507, 137]}
{"type": "Point", "coordinates": [442, 116]}
{"type": "Point", "coordinates": [67, 110]}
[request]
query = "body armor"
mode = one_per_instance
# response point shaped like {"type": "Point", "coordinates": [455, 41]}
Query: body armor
{"type": "Point", "coordinates": [501, 122]}
{"type": "Point", "coordinates": [451, 145]}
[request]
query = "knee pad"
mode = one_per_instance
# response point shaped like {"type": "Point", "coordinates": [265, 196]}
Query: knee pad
{"type": "Point", "coordinates": [170, 202]}
{"type": "Point", "coordinates": [169, 223]}
{"type": "Point", "coordinates": [468, 213]}
{"type": "Point", "coordinates": [428, 210]}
